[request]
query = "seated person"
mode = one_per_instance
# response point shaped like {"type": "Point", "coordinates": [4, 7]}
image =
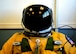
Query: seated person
{"type": "Point", "coordinates": [38, 37]}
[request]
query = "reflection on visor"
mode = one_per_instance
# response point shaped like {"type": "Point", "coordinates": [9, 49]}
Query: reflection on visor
{"type": "Point", "coordinates": [45, 14]}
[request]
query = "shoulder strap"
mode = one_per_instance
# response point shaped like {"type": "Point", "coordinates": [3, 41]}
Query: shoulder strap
{"type": "Point", "coordinates": [50, 45]}
{"type": "Point", "coordinates": [25, 45]}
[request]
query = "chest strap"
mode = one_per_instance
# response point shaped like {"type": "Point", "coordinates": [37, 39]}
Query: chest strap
{"type": "Point", "coordinates": [25, 45]}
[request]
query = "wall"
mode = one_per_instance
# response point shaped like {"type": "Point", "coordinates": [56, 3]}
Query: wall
{"type": "Point", "coordinates": [66, 13]}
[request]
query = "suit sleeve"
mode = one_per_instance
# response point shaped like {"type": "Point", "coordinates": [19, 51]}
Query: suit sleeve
{"type": "Point", "coordinates": [7, 47]}
{"type": "Point", "coordinates": [68, 45]}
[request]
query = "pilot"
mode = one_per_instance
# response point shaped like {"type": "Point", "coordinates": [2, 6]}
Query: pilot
{"type": "Point", "coordinates": [38, 36]}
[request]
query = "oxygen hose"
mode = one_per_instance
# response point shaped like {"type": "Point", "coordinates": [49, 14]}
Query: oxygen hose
{"type": "Point", "coordinates": [37, 46]}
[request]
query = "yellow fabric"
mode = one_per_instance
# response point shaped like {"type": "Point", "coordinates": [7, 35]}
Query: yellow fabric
{"type": "Point", "coordinates": [8, 47]}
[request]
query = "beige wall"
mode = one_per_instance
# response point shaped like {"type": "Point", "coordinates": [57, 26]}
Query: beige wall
{"type": "Point", "coordinates": [66, 13]}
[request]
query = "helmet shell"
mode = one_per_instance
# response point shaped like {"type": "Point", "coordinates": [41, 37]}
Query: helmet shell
{"type": "Point", "coordinates": [37, 17]}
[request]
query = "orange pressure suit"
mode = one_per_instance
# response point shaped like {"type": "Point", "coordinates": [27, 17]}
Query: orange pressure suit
{"type": "Point", "coordinates": [13, 45]}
